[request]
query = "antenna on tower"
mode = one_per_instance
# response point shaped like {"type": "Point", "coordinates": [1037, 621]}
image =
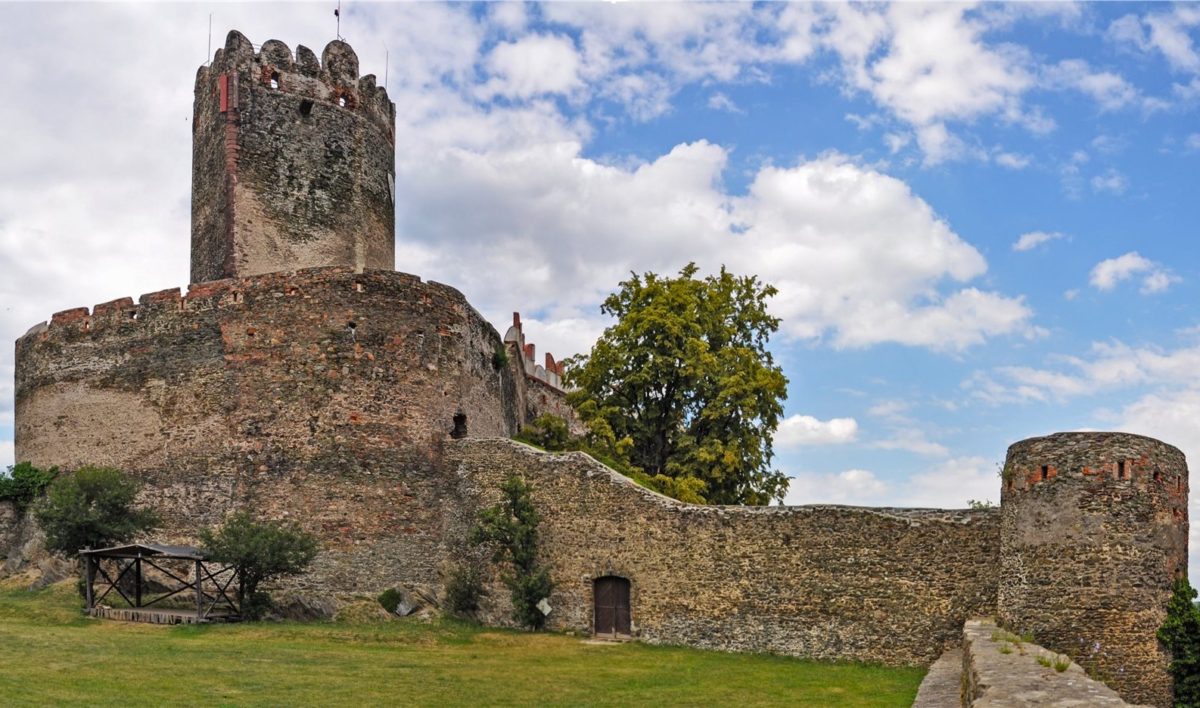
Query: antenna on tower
{"type": "Point", "coordinates": [208, 57]}
{"type": "Point", "coordinates": [338, 14]}
{"type": "Point", "coordinates": [387, 59]}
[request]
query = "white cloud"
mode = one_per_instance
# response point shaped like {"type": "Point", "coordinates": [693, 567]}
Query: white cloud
{"type": "Point", "coordinates": [1111, 181]}
{"type": "Point", "coordinates": [721, 102]}
{"type": "Point", "coordinates": [1193, 141]}
{"type": "Point", "coordinates": [951, 484]}
{"type": "Point", "coordinates": [854, 486]}
{"type": "Point", "coordinates": [1108, 273]}
{"type": "Point", "coordinates": [912, 440]}
{"type": "Point", "coordinates": [1111, 91]}
{"type": "Point", "coordinates": [801, 430]}
{"type": "Point", "coordinates": [1164, 32]}
{"type": "Point", "coordinates": [6, 453]}
{"type": "Point", "coordinates": [1171, 416]}
{"type": "Point", "coordinates": [889, 409]}
{"type": "Point", "coordinates": [1013, 161]}
{"type": "Point", "coordinates": [533, 65]}
{"type": "Point", "coordinates": [1033, 239]}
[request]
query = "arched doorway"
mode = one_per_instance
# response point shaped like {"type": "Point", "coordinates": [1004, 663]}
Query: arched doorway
{"type": "Point", "coordinates": [611, 595]}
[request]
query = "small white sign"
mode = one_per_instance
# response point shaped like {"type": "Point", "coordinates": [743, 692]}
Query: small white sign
{"type": "Point", "coordinates": [544, 606]}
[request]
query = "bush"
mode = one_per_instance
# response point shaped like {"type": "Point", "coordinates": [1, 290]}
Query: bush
{"type": "Point", "coordinates": [548, 432]}
{"type": "Point", "coordinates": [464, 590]}
{"type": "Point", "coordinates": [499, 358]}
{"type": "Point", "coordinates": [92, 508]}
{"type": "Point", "coordinates": [259, 551]}
{"type": "Point", "coordinates": [390, 599]}
{"type": "Point", "coordinates": [23, 483]}
{"type": "Point", "coordinates": [1180, 634]}
{"type": "Point", "coordinates": [510, 529]}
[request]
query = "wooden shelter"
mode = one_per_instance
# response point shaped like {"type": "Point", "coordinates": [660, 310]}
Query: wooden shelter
{"type": "Point", "coordinates": [160, 584]}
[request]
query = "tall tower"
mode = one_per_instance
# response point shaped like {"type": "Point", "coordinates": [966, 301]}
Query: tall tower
{"type": "Point", "coordinates": [1094, 530]}
{"type": "Point", "coordinates": [293, 162]}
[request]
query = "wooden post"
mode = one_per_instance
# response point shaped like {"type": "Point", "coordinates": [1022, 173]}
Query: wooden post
{"type": "Point", "coordinates": [89, 574]}
{"type": "Point", "coordinates": [199, 595]}
{"type": "Point", "coordinates": [137, 582]}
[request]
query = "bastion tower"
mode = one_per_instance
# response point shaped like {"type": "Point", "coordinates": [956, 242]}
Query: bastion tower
{"type": "Point", "coordinates": [293, 163]}
{"type": "Point", "coordinates": [1094, 529]}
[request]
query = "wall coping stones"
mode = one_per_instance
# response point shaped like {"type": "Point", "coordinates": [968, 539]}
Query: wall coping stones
{"type": "Point", "coordinates": [992, 679]}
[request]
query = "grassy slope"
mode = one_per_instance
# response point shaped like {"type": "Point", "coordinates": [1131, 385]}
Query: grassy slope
{"type": "Point", "coordinates": [50, 654]}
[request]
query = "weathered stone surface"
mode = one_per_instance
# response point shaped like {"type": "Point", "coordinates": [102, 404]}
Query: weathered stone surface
{"type": "Point", "coordinates": [888, 585]}
{"type": "Point", "coordinates": [322, 396]}
{"type": "Point", "coordinates": [942, 686]}
{"type": "Point", "coordinates": [9, 520]}
{"type": "Point", "coordinates": [293, 165]}
{"type": "Point", "coordinates": [994, 679]}
{"type": "Point", "coordinates": [1094, 531]}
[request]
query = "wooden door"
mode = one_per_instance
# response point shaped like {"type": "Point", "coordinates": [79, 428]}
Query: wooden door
{"type": "Point", "coordinates": [612, 605]}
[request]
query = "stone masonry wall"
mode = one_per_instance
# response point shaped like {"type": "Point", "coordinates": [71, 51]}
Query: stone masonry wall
{"type": "Point", "coordinates": [322, 396]}
{"type": "Point", "coordinates": [293, 162]}
{"type": "Point", "coordinates": [1094, 532]}
{"type": "Point", "coordinates": [829, 582]}
{"type": "Point", "coordinates": [9, 527]}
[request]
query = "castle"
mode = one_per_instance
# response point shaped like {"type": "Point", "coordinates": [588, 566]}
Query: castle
{"type": "Point", "coordinates": [300, 375]}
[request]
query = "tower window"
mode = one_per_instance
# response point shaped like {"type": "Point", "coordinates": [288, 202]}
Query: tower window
{"type": "Point", "coordinates": [342, 101]}
{"type": "Point", "coordinates": [274, 80]}
{"type": "Point", "coordinates": [306, 107]}
{"type": "Point", "coordinates": [1045, 472]}
{"type": "Point", "coordinates": [1121, 469]}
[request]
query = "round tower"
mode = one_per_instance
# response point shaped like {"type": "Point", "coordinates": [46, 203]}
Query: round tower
{"type": "Point", "coordinates": [293, 163]}
{"type": "Point", "coordinates": [1094, 531]}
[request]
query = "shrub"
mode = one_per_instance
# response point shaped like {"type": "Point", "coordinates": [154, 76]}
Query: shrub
{"type": "Point", "coordinates": [499, 358]}
{"type": "Point", "coordinates": [1044, 660]}
{"type": "Point", "coordinates": [1062, 662]}
{"type": "Point", "coordinates": [390, 600]}
{"type": "Point", "coordinates": [23, 483]}
{"type": "Point", "coordinates": [92, 508]}
{"type": "Point", "coordinates": [259, 551]}
{"type": "Point", "coordinates": [510, 529]}
{"type": "Point", "coordinates": [464, 589]}
{"type": "Point", "coordinates": [548, 432]}
{"type": "Point", "coordinates": [1180, 633]}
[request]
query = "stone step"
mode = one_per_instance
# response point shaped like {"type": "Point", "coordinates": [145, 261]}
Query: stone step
{"type": "Point", "coordinates": [942, 687]}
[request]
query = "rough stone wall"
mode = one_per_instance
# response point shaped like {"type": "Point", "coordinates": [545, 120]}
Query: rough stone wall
{"type": "Point", "coordinates": [888, 585]}
{"type": "Point", "coordinates": [1094, 529]}
{"type": "Point", "coordinates": [293, 163]}
{"type": "Point", "coordinates": [322, 396]}
{"type": "Point", "coordinates": [9, 527]}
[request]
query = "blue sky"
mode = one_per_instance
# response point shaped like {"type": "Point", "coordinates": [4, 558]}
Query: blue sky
{"type": "Point", "coordinates": [981, 219]}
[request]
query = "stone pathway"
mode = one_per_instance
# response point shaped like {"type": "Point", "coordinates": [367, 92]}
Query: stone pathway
{"type": "Point", "coordinates": [943, 684]}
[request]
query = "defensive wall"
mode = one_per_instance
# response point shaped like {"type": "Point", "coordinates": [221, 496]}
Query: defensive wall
{"type": "Point", "coordinates": [293, 162]}
{"type": "Point", "coordinates": [829, 582]}
{"type": "Point", "coordinates": [322, 395]}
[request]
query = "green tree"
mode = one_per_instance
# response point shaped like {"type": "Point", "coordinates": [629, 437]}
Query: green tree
{"type": "Point", "coordinates": [510, 529]}
{"type": "Point", "coordinates": [1180, 633]}
{"type": "Point", "coordinates": [23, 483]}
{"type": "Point", "coordinates": [92, 508]}
{"type": "Point", "coordinates": [684, 386]}
{"type": "Point", "coordinates": [259, 551]}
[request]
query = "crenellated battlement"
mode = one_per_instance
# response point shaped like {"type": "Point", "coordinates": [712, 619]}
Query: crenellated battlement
{"type": "Point", "coordinates": [228, 293]}
{"type": "Point", "coordinates": [551, 373]}
{"type": "Point", "coordinates": [332, 80]}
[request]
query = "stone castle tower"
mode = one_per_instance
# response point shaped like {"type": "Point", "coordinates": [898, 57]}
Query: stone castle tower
{"type": "Point", "coordinates": [293, 163]}
{"type": "Point", "coordinates": [1093, 532]}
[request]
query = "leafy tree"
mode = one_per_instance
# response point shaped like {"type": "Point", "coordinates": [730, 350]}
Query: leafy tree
{"type": "Point", "coordinates": [684, 387]}
{"type": "Point", "coordinates": [548, 432]}
{"type": "Point", "coordinates": [92, 508]}
{"type": "Point", "coordinates": [23, 483]}
{"type": "Point", "coordinates": [510, 528]}
{"type": "Point", "coordinates": [259, 551]}
{"type": "Point", "coordinates": [1180, 633]}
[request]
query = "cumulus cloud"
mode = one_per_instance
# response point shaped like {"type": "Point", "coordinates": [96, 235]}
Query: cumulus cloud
{"type": "Point", "coordinates": [1111, 91]}
{"type": "Point", "coordinates": [1108, 273]}
{"type": "Point", "coordinates": [802, 430]}
{"type": "Point", "coordinates": [1033, 239]}
{"type": "Point", "coordinates": [912, 440]}
{"type": "Point", "coordinates": [1166, 33]}
{"type": "Point", "coordinates": [948, 485]}
{"type": "Point", "coordinates": [1013, 161]}
{"type": "Point", "coordinates": [853, 486]}
{"type": "Point", "coordinates": [1111, 181]}
{"type": "Point", "coordinates": [533, 65]}
{"type": "Point", "coordinates": [721, 102]}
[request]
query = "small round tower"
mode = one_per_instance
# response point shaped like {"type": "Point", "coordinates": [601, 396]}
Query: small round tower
{"type": "Point", "coordinates": [293, 163]}
{"type": "Point", "coordinates": [1094, 531]}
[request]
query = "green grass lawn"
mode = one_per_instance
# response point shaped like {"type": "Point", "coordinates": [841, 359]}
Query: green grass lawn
{"type": "Point", "coordinates": [50, 654]}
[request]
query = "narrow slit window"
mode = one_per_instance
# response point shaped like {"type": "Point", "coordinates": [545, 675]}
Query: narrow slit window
{"type": "Point", "coordinates": [1045, 472]}
{"type": "Point", "coordinates": [1121, 469]}
{"type": "Point", "coordinates": [275, 80]}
